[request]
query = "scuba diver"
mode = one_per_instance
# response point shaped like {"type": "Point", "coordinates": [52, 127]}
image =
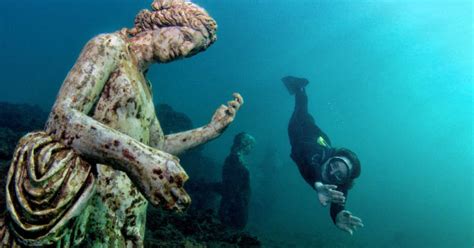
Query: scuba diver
{"type": "Point", "coordinates": [330, 171]}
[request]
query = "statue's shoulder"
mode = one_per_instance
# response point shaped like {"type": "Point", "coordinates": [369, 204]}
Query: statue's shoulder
{"type": "Point", "coordinates": [110, 40]}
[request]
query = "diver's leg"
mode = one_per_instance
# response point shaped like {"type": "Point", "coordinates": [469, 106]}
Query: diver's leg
{"type": "Point", "coordinates": [301, 102]}
{"type": "Point", "coordinates": [301, 123]}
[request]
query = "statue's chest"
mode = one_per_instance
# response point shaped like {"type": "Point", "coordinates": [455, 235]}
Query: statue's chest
{"type": "Point", "coordinates": [126, 104]}
{"type": "Point", "coordinates": [118, 208]}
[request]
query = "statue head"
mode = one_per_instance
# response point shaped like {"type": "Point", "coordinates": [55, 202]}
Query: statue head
{"type": "Point", "coordinates": [173, 29]}
{"type": "Point", "coordinates": [243, 143]}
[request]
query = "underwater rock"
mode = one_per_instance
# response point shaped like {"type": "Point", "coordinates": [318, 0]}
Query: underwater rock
{"type": "Point", "coordinates": [3, 173]}
{"type": "Point", "coordinates": [172, 121]}
{"type": "Point", "coordinates": [21, 117]}
{"type": "Point", "coordinates": [8, 140]}
{"type": "Point", "coordinates": [15, 121]}
{"type": "Point", "coordinates": [196, 229]}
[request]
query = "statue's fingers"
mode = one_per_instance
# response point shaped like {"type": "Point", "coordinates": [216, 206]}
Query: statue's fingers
{"type": "Point", "coordinates": [182, 199]}
{"type": "Point", "coordinates": [233, 104]}
{"type": "Point", "coordinates": [230, 111]}
{"type": "Point", "coordinates": [161, 196]}
{"type": "Point", "coordinates": [223, 108]}
{"type": "Point", "coordinates": [172, 187]}
{"type": "Point", "coordinates": [238, 98]}
{"type": "Point", "coordinates": [221, 111]}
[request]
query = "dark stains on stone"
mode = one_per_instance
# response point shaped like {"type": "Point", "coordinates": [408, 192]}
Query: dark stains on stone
{"type": "Point", "coordinates": [157, 171]}
{"type": "Point", "coordinates": [127, 154]}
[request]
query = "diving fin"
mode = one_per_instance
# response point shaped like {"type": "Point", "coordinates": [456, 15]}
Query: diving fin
{"type": "Point", "coordinates": [294, 84]}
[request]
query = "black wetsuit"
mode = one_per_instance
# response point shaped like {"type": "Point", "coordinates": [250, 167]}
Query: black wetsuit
{"type": "Point", "coordinates": [310, 147]}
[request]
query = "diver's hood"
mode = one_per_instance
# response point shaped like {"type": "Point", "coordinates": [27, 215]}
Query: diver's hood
{"type": "Point", "coordinates": [346, 161]}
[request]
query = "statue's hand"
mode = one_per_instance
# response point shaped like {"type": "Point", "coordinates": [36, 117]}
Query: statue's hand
{"type": "Point", "coordinates": [163, 182]}
{"type": "Point", "coordinates": [225, 114]}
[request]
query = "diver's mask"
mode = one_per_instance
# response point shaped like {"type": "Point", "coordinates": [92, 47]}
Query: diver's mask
{"type": "Point", "coordinates": [336, 170]}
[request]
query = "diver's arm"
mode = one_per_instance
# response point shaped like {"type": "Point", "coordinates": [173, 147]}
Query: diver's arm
{"type": "Point", "coordinates": [342, 218]}
{"type": "Point", "coordinates": [338, 207]}
{"type": "Point", "coordinates": [70, 124]}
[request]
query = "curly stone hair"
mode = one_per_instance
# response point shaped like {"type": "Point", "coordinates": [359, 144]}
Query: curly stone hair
{"type": "Point", "coordinates": [169, 13]}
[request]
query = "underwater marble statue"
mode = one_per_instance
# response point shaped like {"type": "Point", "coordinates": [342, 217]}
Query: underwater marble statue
{"type": "Point", "coordinates": [88, 177]}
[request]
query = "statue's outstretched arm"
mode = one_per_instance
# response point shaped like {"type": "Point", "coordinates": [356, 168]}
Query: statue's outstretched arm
{"type": "Point", "coordinates": [180, 142]}
{"type": "Point", "coordinates": [157, 174]}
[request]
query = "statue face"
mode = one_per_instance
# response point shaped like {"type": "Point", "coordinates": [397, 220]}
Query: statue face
{"type": "Point", "coordinates": [243, 143]}
{"type": "Point", "coordinates": [171, 43]}
{"type": "Point", "coordinates": [247, 148]}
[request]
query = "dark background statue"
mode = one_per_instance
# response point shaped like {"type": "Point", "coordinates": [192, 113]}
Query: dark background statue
{"type": "Point", "coordinates": [235, 186]}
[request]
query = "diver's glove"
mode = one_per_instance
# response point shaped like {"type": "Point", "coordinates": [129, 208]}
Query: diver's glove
{"type": "Point", "coordinates": [347, 222]}
{"type": "Point", "coordinates": [328, 194]}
